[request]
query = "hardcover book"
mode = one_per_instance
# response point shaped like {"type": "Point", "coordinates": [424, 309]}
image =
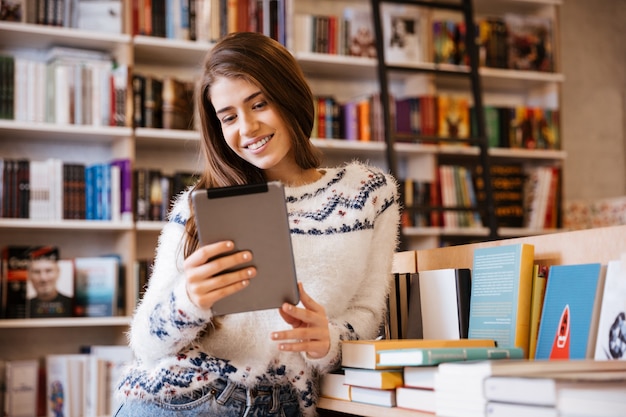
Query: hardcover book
{"type": "Point", "coordinates": [567, 320]}
{"type": "Point", "coordinates": [365, 353]}
{"type": "Point", "coordinates": [544, 388]}
{"type": "Point", "coordinates": [381, 397]}
{"type": "Point", "coordinates": [439, 304]}
{"type": "Point", "coordinates": [373, 378]}
{"type": "Point", "coordinates": [540, 277]}
{"type": "Point", "coordinates": [610, 340]}
{"type": "Point", "coordinates": [96, 286]}
{"type": "Point", "coordinates": [16, 261]}
{"type": "Point", "coordinates": [501, 291]}
{"type": "Point", "coordinates": [50, 291]}
{"type": "Point", "coordinates": [416, 399]}
{"type": "Point", "coordinates": [332, 386]}
{"type": "Point", "coordinates": [404, 33]}
{"type": "Point", "coordinates": [435, 356]}
{"type": "Point", "coordinates": [20, 387]}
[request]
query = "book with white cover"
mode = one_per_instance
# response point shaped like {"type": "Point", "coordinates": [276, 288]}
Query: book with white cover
{"type": "Point", "coordinates": [20, 395]}
{"type": "Point", "coordinates": [443, 299]}
{"type": "Point", "coordinates": [416, 399]}
{"type": "Point", "coordinates": [612, 320]}
{"type": "Point", "coordinates": [404, 33]}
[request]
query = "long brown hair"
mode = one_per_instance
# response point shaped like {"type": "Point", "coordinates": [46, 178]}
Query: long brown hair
{"type": "Point", "coordinates": [265, 63]}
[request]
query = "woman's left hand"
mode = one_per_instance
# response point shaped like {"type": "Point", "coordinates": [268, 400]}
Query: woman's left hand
{"type": "Point", "coordinates": [310, 332]}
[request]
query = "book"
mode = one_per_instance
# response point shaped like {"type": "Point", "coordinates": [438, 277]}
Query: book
{"type": "Point", "coordinates": [612, 319]}
{"type": "Point", "coordinates": [420, 376]}
{"type": "Point", "coordinates": [435, 356]}
{"type": "Point", "coordinates": [360, 36]}
{"type": "Point", "coordinates": [530, 42]}
{"type": "Point", "coordinates": [442, 297]}
{"type": "Point", "coordinates": [96, 286]}
{"type": "Point", "coordinates": [115, 358]}
{"type": "Point", "coordinates": [16, 261]}
{"type": "Point", "coordinates": [58, 385]}
{"type": "Point", "coordinates": [496, 409]}
{"type": "Point", "coordinates": [567, 320]}
{"type": "Point", "coordinates": [365, 353]}
{"type": "Point", "coordinates": [544, 389]}
{"type": "Point", "coordinates": [373, 378]}
{"type": "Point", "coordinates": [404, 33]}
{"type": "Point", "coordinates": [500, 296]}
{"type": "Point", "coordinates": [381, 397]}
{"type": "Point", "coordinates": [50, 291]}
{"type": "Point", "coordinates": [398, 305]}
{"type": "Point", "coordinates": [540, 276]}
{"type": "Point", "coordinates": [416, 399]}
{"type": "Point", "coordinates": [20, 388]}
{"type": "Point", "coordinates": [459, 386]}
{"type": "Point", "coordinates": [608, 402]}
{"type": "Point", "coordinates": [332, 386]}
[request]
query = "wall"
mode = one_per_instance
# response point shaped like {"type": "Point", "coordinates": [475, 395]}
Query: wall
{"type": "Point", "coordinates": [593, 57]}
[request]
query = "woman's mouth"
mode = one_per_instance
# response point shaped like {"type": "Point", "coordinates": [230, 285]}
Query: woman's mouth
{"type": "Point", "coordinates": [256, 145]}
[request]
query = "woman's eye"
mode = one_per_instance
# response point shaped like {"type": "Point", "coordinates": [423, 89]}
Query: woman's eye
{"type": "Point", "coordinates": [259, 105]}
{"type": "Point", "coordinates": [228, 119]}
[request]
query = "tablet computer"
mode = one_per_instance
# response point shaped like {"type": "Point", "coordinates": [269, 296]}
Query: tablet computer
{"type": "Point", "coordinates": [255, 218]}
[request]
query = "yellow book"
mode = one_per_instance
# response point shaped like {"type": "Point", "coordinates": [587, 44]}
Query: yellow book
{"type": "Point", "coordinates": [374, 378]}
{"type": "Point", "coordinates": [540, 275]}
{"type": "Point", "coordinates": [364, 353]}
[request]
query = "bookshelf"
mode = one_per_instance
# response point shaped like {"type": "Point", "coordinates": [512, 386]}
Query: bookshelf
{"type": "Point", "coordinates": [340, 75]}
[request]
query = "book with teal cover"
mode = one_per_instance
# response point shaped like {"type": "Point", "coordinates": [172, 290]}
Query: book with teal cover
{"type": "Point", "coordinates": [568, 311]}
{"type": "Point", "coordinates": [500, 294]}
{"type": "Point", "coordinates": [435, 356]}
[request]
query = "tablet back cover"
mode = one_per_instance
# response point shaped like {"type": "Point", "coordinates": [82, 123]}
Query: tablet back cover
{"type": "Point", "coordinates": [255, 218]}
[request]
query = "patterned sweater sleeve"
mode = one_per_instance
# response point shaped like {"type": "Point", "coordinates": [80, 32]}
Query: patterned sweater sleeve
{"type": "Point", "coordinates": [363, 318]}
{"type": "Point", "coordinates": [166, 321]}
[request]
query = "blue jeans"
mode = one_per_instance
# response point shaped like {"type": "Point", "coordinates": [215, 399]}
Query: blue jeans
{"type": "Point", "coordinates": [221, 398]}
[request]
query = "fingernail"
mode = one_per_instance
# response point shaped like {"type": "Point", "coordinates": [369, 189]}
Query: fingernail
{"type": "Point", "coordinates": [250, 272]}
{"type": "Point", "coordinates": [274, 335]}
{"type": "Point", "coordinates": [229, 244]}
{"type": "Point", "coordinates": [246, 256]}
{"type": "Point", "coordinates": [245, 283]}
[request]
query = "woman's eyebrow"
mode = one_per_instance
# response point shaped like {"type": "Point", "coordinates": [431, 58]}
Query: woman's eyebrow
{"type": "Point", "coordinates": [247, 99]}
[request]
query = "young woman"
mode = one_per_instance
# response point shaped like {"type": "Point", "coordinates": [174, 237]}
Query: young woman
{"type": "Point", "coordinates": [256, 115]}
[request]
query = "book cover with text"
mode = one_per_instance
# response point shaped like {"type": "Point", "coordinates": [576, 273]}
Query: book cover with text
{"type": "Point", "coordinates": [501, 292]}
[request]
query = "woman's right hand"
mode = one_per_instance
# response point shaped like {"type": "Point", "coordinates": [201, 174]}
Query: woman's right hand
{"type": "Point", "coordinates": [207, 281]}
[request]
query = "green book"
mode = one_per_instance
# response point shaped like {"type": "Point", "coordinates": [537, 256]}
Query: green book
{"type": "Point", "coordinates": [435, 356]}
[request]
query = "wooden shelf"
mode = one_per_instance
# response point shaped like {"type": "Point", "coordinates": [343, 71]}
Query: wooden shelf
{"type": "Point", "coordinates": [121, 321]}
{"type": "Point", "coordinates": [367, 410]}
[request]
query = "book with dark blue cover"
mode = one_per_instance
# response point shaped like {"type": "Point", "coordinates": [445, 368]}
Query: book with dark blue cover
{"type": "Point", "coordinates": [568, 311]}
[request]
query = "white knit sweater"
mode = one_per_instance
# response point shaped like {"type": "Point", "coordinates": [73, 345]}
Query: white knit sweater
{"type": "Point", "coordinates": [344, 230]}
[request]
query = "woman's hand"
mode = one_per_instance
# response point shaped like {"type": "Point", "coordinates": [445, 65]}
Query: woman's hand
{"type": "Point", "coordinates": [310, 332]}
{"type": "Point", "coordinates": [206, 280]}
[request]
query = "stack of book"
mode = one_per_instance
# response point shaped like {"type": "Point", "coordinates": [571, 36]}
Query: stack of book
{"type": "Point", "coordinates": [531, 388]}
{"type": "Point", "coordinates": [401, 372]}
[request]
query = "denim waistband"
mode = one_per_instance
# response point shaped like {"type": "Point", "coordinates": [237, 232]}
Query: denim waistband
{"type": "Point", "coordinates": [223, 390]}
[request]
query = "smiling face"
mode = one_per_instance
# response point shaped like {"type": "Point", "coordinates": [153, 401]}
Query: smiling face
{"type": "Point", "coordinates": [44, 275]}
{"type": "Point", "coordinates": [253, 128]}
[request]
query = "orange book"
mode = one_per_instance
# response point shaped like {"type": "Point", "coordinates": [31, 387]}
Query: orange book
{"type": "Point", "coordinates": [365, 124]}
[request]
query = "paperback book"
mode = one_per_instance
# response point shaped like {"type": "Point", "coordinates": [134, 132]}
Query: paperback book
{"type": "Point", "coordinates": [567, 325]}
{"type": "Point", "coordinates": [501, 294]}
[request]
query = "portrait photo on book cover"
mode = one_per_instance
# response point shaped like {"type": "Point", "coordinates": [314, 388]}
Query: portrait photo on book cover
{"type": "Point", "coordinates": [50, 284]}
{"type": "Point", "coordinates": [401, 36]}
